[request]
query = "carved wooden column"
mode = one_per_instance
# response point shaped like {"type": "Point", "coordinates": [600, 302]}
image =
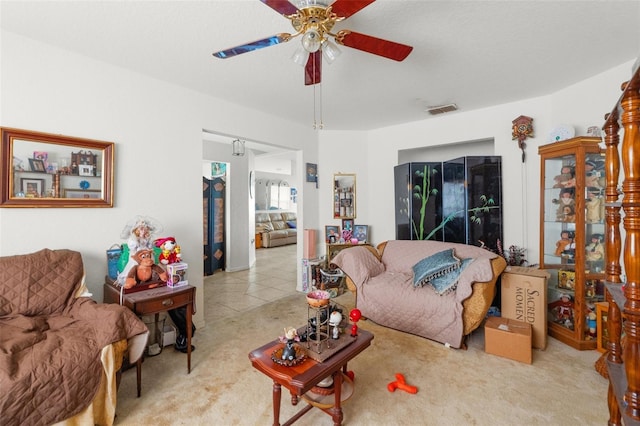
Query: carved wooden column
{"type": "Point", "coordinates": [612, 252]}
{"type": "Point", "coordinates": [630, 120]}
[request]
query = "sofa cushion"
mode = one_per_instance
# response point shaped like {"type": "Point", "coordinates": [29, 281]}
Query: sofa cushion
{"type": "Point", "coordinates": [361, 264]}
{"type": "Point", "coordinates": [291, 224]}
{"type": "Point", "coordinates": [448, 282]}
{"type": "Point", "coordinates": [439, 271]}
{"type": "Point", "coordinates": [282, 233]}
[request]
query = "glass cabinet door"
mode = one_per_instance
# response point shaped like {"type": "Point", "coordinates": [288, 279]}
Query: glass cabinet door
{"type": "Point", "coordinates": [572, 237]}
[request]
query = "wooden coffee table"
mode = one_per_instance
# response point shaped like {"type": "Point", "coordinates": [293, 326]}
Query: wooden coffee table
{"type": "Point", "coordinates": [301, 378]}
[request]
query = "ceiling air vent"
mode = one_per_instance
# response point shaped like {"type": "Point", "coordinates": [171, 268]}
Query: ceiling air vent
{"type": "Point", "coordinates": [441, 109]}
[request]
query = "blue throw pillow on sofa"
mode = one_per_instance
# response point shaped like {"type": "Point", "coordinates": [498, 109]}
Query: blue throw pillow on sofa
{"type": "Point", "coordinates": [440, 271]}
{"type": "Point", "coordinates": [291, 224]}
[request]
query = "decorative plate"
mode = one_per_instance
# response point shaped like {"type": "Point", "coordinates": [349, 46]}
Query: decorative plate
{"type": "Point", "coordinates": [561, 133]}
{"type": "Point", "coordinates": [301, 355]}
{"type": "Point", "coordinates": [84, 184]}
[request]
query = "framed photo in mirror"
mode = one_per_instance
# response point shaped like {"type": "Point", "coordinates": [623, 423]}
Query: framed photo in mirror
{"type": "Point", "coordinates": [36, 165]}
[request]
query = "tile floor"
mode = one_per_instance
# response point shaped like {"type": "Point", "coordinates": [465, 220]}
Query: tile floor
{"type": "Point", "coordinates": [271, 278]}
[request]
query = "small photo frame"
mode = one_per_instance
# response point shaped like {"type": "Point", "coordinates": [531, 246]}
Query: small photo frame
{"type": "Point", "coordinates": [312, 172]}
{"type": "Point", "coordinates": [85, 170]}
{"type": "Point", "coordinates": [37, 165]}
{"type": "Point", "coordinates": [332, 234]}
{"type": "Point", "coordinates": [361, 232]}
{"type": "Point", "coordinates": [347, 225]}
{"type": "Point", "coordinates": [32, 188]}
{"type": "Point", "coordinates": [83, 193]}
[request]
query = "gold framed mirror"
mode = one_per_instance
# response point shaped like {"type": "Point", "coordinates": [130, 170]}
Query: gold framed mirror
{"type": "Point", "coordinates": [47, 170]}
{"type": "Point", "coordinates": [344, 196]}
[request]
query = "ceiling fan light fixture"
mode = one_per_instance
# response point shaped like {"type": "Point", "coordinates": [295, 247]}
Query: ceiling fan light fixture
{"type": "Point", "coordinates": [300, 56]}
{"type": "Point", "coordinates": [237, 148]}
{"type": "Point", "coordinates": [330, 51]}
{"type": "Point", "coordinates": [301, 4]}
{"type": "Point", "coordinates": [311, 41]}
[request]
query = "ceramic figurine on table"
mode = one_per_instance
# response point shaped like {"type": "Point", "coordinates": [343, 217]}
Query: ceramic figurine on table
{"type": "Point", "coordinates": [334, 320]}
{"type": "Point", "coordinates": [355, 316]}
{"type": "Point", "coordinates": [289, 350]}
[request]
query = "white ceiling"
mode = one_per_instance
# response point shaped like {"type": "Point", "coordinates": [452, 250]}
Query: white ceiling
{"type": "Point", "coordinates": [472, 53]}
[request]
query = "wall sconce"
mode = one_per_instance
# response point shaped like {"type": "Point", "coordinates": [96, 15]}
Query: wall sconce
{"type": "Point", "coordinates": [237, 147]}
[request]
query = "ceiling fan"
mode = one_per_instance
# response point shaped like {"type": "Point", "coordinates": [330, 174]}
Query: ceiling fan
{"type": "Point", "coordinates": [314, 20]}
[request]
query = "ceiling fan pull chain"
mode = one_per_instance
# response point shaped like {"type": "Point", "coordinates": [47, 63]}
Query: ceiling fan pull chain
{"type": "Point", "coordinates": [321, 119]}
{"type": "Point", "coordinates": [315, 126]}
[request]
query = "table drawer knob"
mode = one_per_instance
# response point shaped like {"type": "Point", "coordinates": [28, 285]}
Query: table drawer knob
{"type": "Point", "coordinates": [167, 302]}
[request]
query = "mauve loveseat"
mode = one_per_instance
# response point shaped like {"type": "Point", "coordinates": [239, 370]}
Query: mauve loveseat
{"type": "Point", "coordinates": [383, 280]}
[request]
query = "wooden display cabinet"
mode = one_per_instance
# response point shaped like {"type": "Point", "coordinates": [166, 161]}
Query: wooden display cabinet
{"type": "Point", "coordinates": [572, 236]}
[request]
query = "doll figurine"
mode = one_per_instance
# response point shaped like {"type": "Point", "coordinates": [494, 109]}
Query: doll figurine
{"type": "Point", "coordinates": [563, 308]}
{"type": "Point", "coordinates": [139, 233]}
{"type": "Point", "coordinates": [170, 251]}
{"type": "Point", "coordinates": [566, 178]}
{"type": "Point", "coordinates": [146, 271]}
{"type": "Point", "coordinates": [563, 242]}
{"type": "Point", "coordinates": [594, 205]}
{"type": "Point", "coordinates": [595, 251]}
{"type": "Point", "coordinates": [566, 200]}
{"type": "Point", "coordinates": [593, 176]}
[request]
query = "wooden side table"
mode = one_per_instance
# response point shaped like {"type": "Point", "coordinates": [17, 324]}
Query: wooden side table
{"type": "Point", "coordinates": [301, 378]}
{"type": "Point", "coordinates": [333, 249]}
{"type": "Point", "coordinates": [154, 301]}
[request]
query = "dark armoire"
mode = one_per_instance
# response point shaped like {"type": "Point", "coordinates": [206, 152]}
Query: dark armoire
{"type": "Point", "coordinates": [463, 201]}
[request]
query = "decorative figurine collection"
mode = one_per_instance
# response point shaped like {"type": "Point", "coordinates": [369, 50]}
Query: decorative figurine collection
{"type": "Point", "coordinates": [144, 263]}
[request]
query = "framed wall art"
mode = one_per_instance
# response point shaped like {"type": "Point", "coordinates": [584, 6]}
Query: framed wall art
{"type": "Point", "coordinates": [332, 234]}
{"type": "Point", "coordinates": [361, 232]}
{"type": "Point", "coordinates": [312, 172]}
{"type": "Point", "coordinates": [347, 224]}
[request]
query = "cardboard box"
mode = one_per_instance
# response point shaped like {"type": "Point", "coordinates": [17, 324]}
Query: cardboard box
{"type": "Point", "coordinates": [508, 338]}
{"type": "Point", "coordinates": [177, 274]}
{"type": "Point", "coordinates": [524, 298]}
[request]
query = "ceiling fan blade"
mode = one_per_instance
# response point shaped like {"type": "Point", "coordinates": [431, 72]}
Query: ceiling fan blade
{"type": "Point", "coordinates": [346, 8]}
{"type": "Point", "coordinates": [313, 69]}
{"type": "Point", "coordinates": [370, 44]}
{"type": "Point", "coordinates": [281, 6]}
{"type": "Point", "coordinates": [254, 45]}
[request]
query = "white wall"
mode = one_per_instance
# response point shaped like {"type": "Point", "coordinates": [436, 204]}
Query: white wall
{"type": "Point", "coordinates": [581, 105]}
{"type": "Point", "coordinates": [157, 128]}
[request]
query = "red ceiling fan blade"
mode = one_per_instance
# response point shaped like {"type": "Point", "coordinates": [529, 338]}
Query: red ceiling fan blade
{"type": "Point", "coordinates": [346, 8]}
{"type": "Point", "coordinates": [281, 6]}
{"type": "Point", "coordinates": [313, 69]}
{"type": "Point", "coordinates": [377, 46]}
{"type": "Point", "coordinates": [254, 45]}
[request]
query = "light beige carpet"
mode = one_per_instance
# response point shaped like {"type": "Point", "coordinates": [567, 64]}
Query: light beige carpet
{"type": "Point", "coordinates": [456, 387]}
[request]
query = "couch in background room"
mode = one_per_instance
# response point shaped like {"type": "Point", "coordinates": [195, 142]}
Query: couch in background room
{"type": "Point", "coordinates": [59, 350]}
{"type": "Point", "coordinates": [441, 291]}
{"type": "Point", "coordinates": [277, 228]}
